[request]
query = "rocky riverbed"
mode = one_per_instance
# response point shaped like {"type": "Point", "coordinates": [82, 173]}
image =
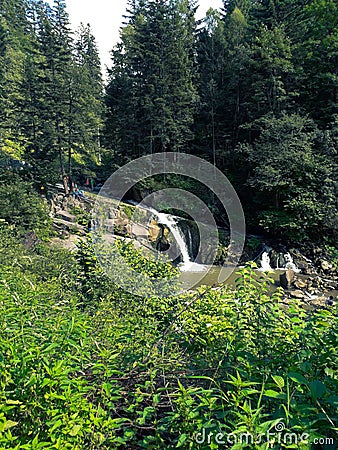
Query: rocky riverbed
{"type": "Point", "coordinates": [308, 274]}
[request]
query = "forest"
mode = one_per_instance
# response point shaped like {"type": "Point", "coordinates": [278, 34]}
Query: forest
{"type": "Point", "coordinates": [84, 364]}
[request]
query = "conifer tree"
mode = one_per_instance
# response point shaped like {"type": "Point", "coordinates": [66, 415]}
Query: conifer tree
{"type": "Point", "coordinates": [154, 65]}
{"type": "Point", "coordinates": [12, 57]}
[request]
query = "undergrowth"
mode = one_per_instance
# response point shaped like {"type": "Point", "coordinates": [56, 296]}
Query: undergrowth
{"type": "Point", "coordinates": [84, 365]}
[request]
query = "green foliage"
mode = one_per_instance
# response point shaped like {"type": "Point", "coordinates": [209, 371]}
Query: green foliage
{"type": "Point", "coordinates": [253, 243]}
{"type": "Point", "coordinates": [151, 95]}
{"type": "Point", "coordinates": [22, 207]}
{"type": "Point", "coordinates": [96, 284]}
{"type": "Point", "coordinates": [140, 373]}
{"type": "Point", "coordinates": [83, 217]}
{"type": "Point", "coordinates": [128, 211]}
{"type": "Point", "coordinates": [239, 89]}
{"type": "Point", "coordinates": [332, 254]}
{"type": "Point", "coordinates": [50, 90]}
{"type": "Point", "coordinates": [291, 181]}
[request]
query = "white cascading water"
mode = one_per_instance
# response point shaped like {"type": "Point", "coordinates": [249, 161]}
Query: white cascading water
{"type": "Point", "coordinates": [266, 267]}
{"type": "Point", "coordinates": [187, 265]}
{"type": "Point", "coordinates": [290, 264]}
{"type": "Point", "coordinates": [265, 262]}
{"type": "Point", "coordinates": [170, 222]}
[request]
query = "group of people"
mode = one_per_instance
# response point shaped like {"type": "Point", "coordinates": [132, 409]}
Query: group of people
{"type": "Point", "coordinates": [74, 190]}
{"type": "Point", "coordinates": [78, 193]}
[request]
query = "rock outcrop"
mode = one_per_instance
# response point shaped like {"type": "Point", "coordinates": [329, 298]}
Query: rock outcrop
{"type": "Point", "coordinates": [287, 278]}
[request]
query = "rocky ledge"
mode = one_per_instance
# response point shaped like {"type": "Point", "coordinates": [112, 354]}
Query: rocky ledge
{"type": "Point", "coordinates": [314, 289]}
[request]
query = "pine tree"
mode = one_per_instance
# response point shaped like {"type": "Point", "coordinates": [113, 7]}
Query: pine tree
{"type": "Point", "coordinates": [271, 67]}
{"type": "Point", "coordinates": [237, 54]}
{"type": "Point", "coordinates": [54, 49]}
{"type": "Point", "coordinates": [209, 130]}
{"type": "Point", "coordinates": [86, 95]}
{"type": "Point", "coordinates": [155, 67]}
{"type": "Point", "coordinates": [12, 57]}
{"type": "Point", "coordinates": [316, 48]}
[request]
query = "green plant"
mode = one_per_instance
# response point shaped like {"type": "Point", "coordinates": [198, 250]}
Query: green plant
{"type": "Point", "coordinates": [85, 364]}
{"type": "Point", "coordinates": [22, 207]}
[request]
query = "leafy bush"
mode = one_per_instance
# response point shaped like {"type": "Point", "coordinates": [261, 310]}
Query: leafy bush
{"type": "Point", "coordinates": [133, 372]}
{"type": "Point", "coordinates": [22, 206]}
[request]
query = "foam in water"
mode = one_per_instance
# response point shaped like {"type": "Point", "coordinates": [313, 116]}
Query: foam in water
{"type": "Point", "coordinates": [265, 262]}
{"type": "Point", "coordinates": [266, 267]}
{"type": "Point", "coordinates": [290, 264]}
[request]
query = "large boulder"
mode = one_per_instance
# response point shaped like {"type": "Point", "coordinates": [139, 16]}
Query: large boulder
{"type": "Point", "coordinates": [154, 231]}
{"type": "Point", "coordinates": [66, 216]}
{"type": "Point", "coordinates": [298, 294]}
{"type": "Point", "coordinates": [325, 265]}
{"type": "Point", "coordinates": [287, 278]}
{"type": "Point", "coordinates": [300, 284]}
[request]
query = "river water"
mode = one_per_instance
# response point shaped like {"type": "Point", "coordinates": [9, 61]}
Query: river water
{"type": "Point", "coordinates": [214, 277]}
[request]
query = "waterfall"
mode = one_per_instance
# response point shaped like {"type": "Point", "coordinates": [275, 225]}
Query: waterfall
{"type": "Point", "coordinates": [189, 242]}
{"type": "Point", "coordinates": [171, 223]}
{"type": "Point", "coordinates": [265, 262]}
{"type": "Point", "coordinates": [289, 263]}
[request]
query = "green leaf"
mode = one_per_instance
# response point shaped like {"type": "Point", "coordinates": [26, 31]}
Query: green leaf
{"type": "Point", "coordinates": [182, 440]}
{"type": "Point", "coordinates": [273, 394]}
{"type": "Point", "coordinates": [57, 424]}
{"type": "Point", "coordinates": [13, 402]}
{"type": "Point", "coordinates": [317, 388]}
{"type": "Point", "coordinates": [279, 381]}
{"type": "Point", "coordinates": [75, 430]}
{"type": "Point", "coordinates": [8, 424]}
{"type": "Point", "coordinates": [297, 378]}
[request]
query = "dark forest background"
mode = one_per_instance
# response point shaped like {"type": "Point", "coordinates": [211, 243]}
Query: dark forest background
{"type": "Point", "coordinates": [251, 88]}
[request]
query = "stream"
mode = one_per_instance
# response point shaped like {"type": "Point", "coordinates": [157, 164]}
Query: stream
{"type": "Point", "coordinates": [192, 272]}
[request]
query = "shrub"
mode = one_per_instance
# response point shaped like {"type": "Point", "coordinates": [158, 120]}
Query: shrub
{"type": "Point", "coordinates": [22, 207]}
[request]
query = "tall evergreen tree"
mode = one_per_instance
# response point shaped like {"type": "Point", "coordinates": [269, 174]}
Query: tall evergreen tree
{"type": "Point", "coordinates": [54, 40]}
{"type": "Point", "coordinates": [210, 60]}
{"type": "Point", "coordinates": [12, 57]}
{"type": "Point", "coordinates": [85, 98]}
{"type": "Point", "coordinates": [154, 63]}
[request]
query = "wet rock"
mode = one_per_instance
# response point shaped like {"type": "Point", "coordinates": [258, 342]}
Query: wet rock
{"type": "Point", "coordinates": [300, 284]}
{"type": "Point", "coordinates": [298, 294]}
{"type": "Point", "coordinates": [154, 231]}
{"type": "Point", "coordinates": [300, 260]}
{"type": "Point", "coordinates": [287, 278]}
{"type": "Point", "coordinates": [282, 261]}
{"type": "Point", "coordinates": [274, 259]}
{"type": "Point", "coordinates": [325, 265]}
